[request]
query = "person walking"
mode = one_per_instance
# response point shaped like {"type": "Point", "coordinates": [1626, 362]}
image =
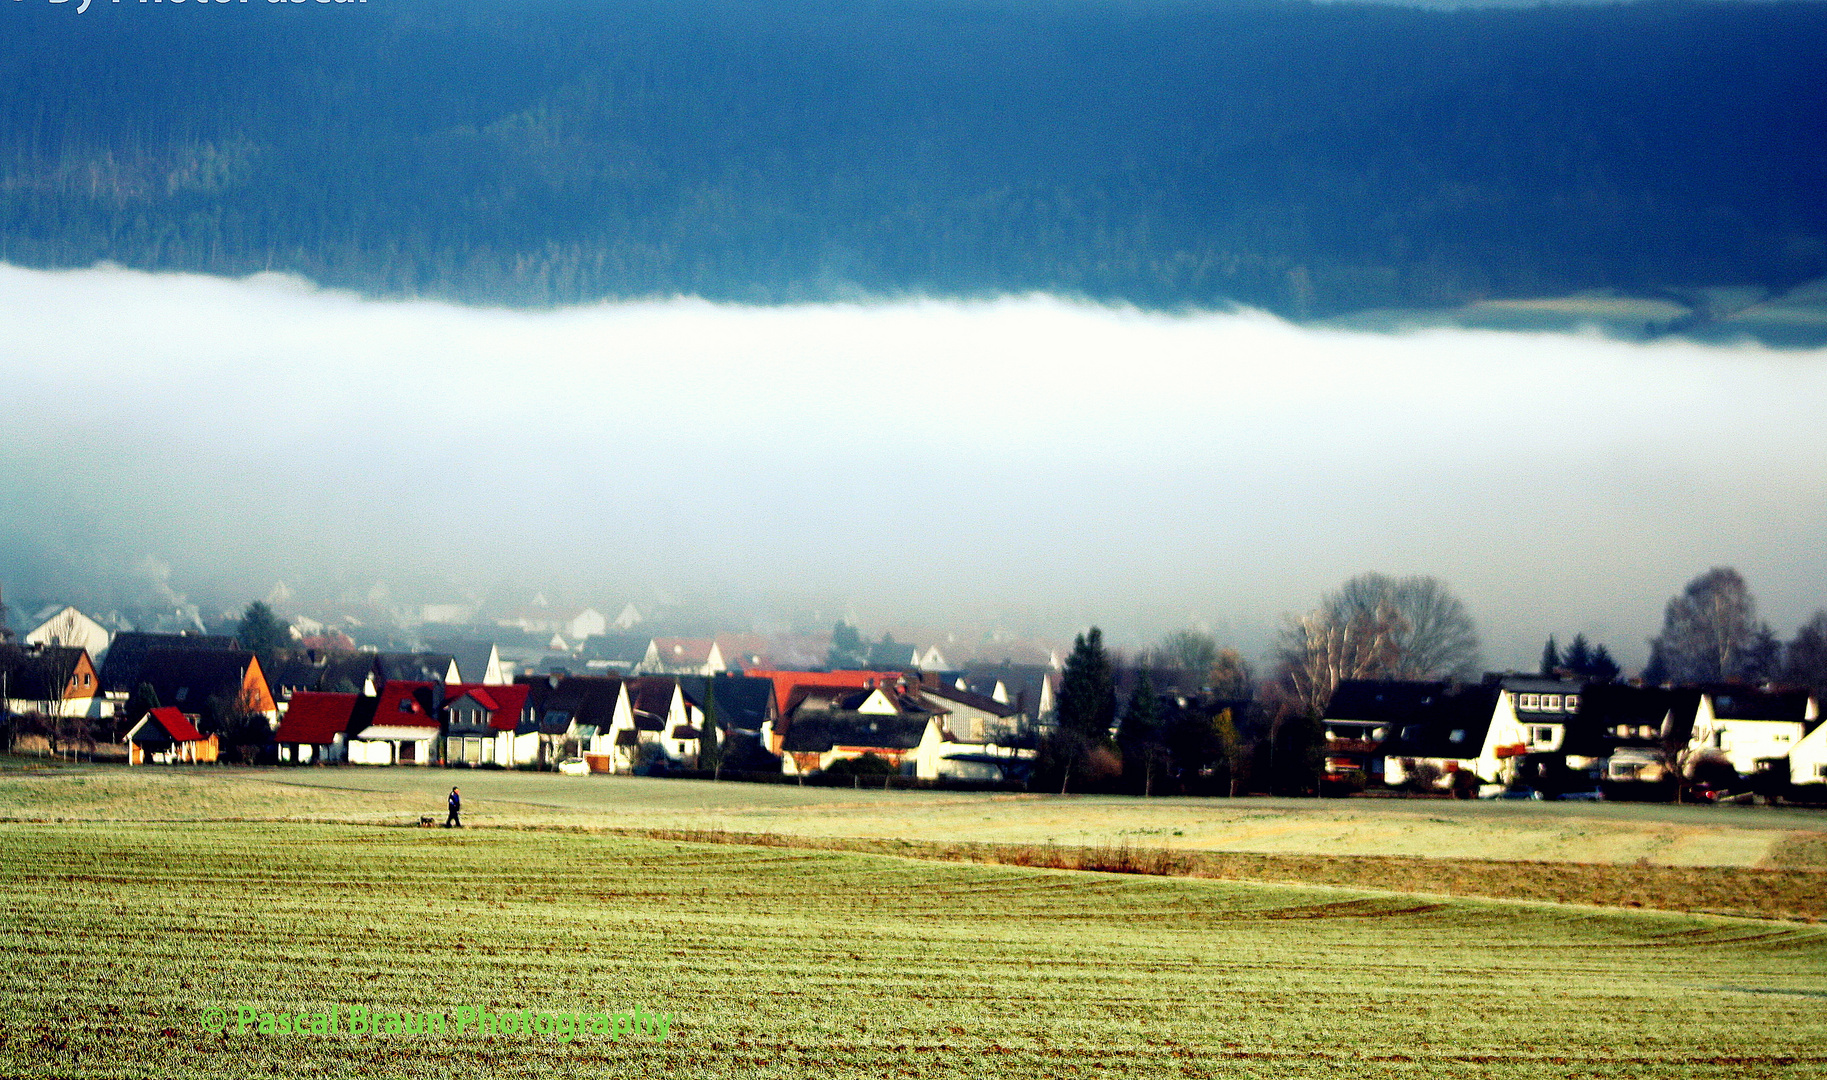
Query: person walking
{"type": "Point", "coordinates": [456, 807]}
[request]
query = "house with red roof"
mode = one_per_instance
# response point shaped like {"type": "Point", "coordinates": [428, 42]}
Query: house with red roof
{"type": "Point", "coordinates": [316, 727]}
{"type": "Point", "coordinates": [479, 723]}
{"type": "Point", "coordinates": [403, 729]}
{"type": "Point", "coordinates": [164, 736]}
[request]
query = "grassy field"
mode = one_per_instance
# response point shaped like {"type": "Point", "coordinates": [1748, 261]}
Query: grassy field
{"type": "Point", "coordinates": [789, 963]}
{"type": "Point", "coordinates": [1618, 833]}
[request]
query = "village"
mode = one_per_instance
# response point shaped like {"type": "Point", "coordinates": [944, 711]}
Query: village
{"type": "Point", "coordinates": [718, 707]}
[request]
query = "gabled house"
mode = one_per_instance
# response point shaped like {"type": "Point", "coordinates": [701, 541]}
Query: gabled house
{"type": "Point", "coordinates": [1751, 728]}
{"type": "Point", "coordinates": [661, 718]}
{"type": "Point", "coordinates": [1363, 714]}
{"type": "Point", "coordinates": [571, 714]}
{"type": "Point", "coordinates": [1455, 734]}
{"type": "Point", "coordinates": [1808, 759]}
{"type": "Point", "coordinates": [52, 680]}
{"type": "Point", "coordinates": [1637, 725]}
{"type": "Point", "coordinates": [1032, 688]}
{"type": "Point", "coordinates": [744, 708]}
{"type": "Point", "coordinates": [477, 662]}
{"type": "Point", "coordinates": [480, 723]}
{"type": "Point", "coordinates": [910, 743]}
{"type": "Point", "coordinates": [315, 728]}
{"type": "Point", "coordinates": [166, 737]}
{"type": "Point", "coordinates": [682, 656]}
{"type": "Point", "coordinates": [120, 670]}
{"type": "Point", "coordinates": [211, 686]}
{"type": "Point", "coordinates": [437, 668]}
{"type": "Point", "coordinates": [64, 626]}
{"type": "Point", "coordinates": [402, 729]}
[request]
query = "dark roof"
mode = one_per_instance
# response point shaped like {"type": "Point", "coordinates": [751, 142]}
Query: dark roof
{"type": "Point", "coordinates": [652, 693]}
{"type": "Point", "coordinates": [1024, 682]}
{"type": "Point", "coordinates": [1384, 701]}
{"type": "Point", "coordinates": [621, 650]}
{"type": "Point", "coordinates": [471, 657]}
{"type": "Point", "coordinates": [318, 718]}
{"type": "Point", "coordinates": [39, 672]}
{"type": "Point", "coordinates": [1739, 703]}
{"type": "Point", "coordinates": [188, 678]}
{"type": "Point", "coordinates": [981, 702]}
{"type": "Point", "coordinates": [1428, 733]}
{"type": "Point", "coordinates": [412, 667]}
{"type": "Point", "coordinates": [120, 671]}
{"type": "Point", "coordinates": [1605, 706]}
{"type": "Point", "coordinates": [817, 734]}
{"type": "Point", "coordinates": [743, 703]}
{"type": "Point", "coordinates": [889, 655]}
{"type": "Point", "coordinates": [588, 699]}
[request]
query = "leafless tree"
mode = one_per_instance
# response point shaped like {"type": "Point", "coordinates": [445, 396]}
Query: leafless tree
{"type": "Point", "coordinates": [1325, 646]}
{"type": "Point", "coordinates": [1707, 630]}
{"type": "Point", "coordinates": [1433, 637]}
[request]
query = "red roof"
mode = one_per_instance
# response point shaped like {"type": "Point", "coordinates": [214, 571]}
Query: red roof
{"type": "Point", "coordinates": [316, 718]}
{"type": "Point", "coordinates": [785, 682]}
{"type": "Point", "coordinates": [403, 704]}
{"type": "Point", "coordinates": [175, 725]}
{"type": "Point", "coordinates": [504, 703]}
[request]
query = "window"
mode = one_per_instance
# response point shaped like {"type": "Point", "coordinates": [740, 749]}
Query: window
{"type": "Point", "coordinates": [405, 704]}
{"type": "Point", "coordinates": [1571, 702]}
{"type": "Point", "coordinates": [1551, 702]}
{"type": "Point", "coordinates": [1458, 735]}
{"type": "Point", "coordinates": [1781, 737]}
{"type": "Point", "coordinates": [183, 692]}
{"type": "Point", "coordinates": [1531, 702]}
{"type": "Point", "coordinates": [1821, 771]}
{"type": "Point", "coordinates": [1541, 736]}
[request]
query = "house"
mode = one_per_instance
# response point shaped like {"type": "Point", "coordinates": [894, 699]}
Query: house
{"type": "Point", "coordinates": [973, 718]}
{"type": "Point", "coordinates": [315, 729]}
{"type": "Point", "coordinates": [416, 667]}
{"type": "Point", "coordinates": [1808, 758]}
{"type": "Point", "coordinates": [1452, 734]}
{"type": "Point", "coordinates": [120, 670]}
{"type": "Point", "coordinates": [477, 662]}
{"type": "Point", "coordinates": [825, 724]}
{"type": "Point", "coordinates": [744, 707]}
{"type": "Point", "coordinates": [209, 685]}
{"type": "Point", "coordinates": [813, 743]}
{"type": "Point", "coordinates": [1637, 725]}
{"type": "Point", "coordinates": [786, 682]}
{"type": "Point", "coordinates": [164, 736]}
{"type": "Point", "coordinates": [616, 654]}
{"type": "Point", "coordinates": [52, 680]}
{"type": "Point", "coordinates": [63, 625]}
{"type": "Point", "coordinates": [480, 723]}
{"type": "Point", "coordinates": [1541, 736]}
{"type": "Point", "coordinates": [1751, 728]}
{"type": "Point", "coordinates": [661, 718]}
{"type": "Point", "coordinates": [403, 728]}
{"type": "Point", "coordinates": [314, 670]}
{"type": "Point", "coordinates": [573, 714]}
{"type": "Point", "coordinates": [1361, 716]}
{"type": "Point", "coordinates": [1032, 688]}
{"type": "Point", "coordinates": [682, 656]}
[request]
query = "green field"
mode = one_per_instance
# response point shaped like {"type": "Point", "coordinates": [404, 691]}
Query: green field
{"type": "Point", "coordinates": [787, 962]}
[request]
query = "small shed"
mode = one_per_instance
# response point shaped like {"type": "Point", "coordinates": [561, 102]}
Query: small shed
{"type": "Point", "coordinates": [166, 737]}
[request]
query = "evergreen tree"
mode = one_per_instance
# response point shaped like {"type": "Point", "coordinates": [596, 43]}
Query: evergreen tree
{"type": "Point", "coordinates": [848, 651]}
{"type": "Point", "coordinates": [1602, 667]}
{"type": "Point", "coordinates": [263, 633]}
{"type": "Point", "coordinates": [1142, 734]}
{"type": "Point", "coordinates": [1551, 658]}
{"type": "Point", "coordinates": [710, 739]}
{"type": "Point", "coordinates": [1087, 703]}
{"type": "Point", "coordinates": [1578, 658]}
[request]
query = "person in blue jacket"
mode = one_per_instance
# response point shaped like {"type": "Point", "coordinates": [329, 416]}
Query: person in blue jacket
{"type": "Point", "coordinates": [456, 807]}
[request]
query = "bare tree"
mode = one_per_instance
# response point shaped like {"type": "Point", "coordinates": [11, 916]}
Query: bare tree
{"type": "Point", "coordinates": [1434, 636]}
{"type": "Point", "coordinates": [1708, 629]}
{"type": "Point", "coordinates": [1805, 663]}
{"type": "Point", "coordinates": [1185, 650]}
{"type": "Point", "coordinates": [1328, 645]}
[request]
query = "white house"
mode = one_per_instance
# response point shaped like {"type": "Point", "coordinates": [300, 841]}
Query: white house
{"type": "Point", "coordinates": [64, 625]}
{"type": "Point", "coordinates": [682, 656]}
{"type": "Point", "coordinates": [404, 729]}
{"type": "Point", "coordinates": [1751, 726]}
{"type": "Point", "coordinates": [1808, 758]}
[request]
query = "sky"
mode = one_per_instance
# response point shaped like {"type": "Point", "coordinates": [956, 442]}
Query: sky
{"type": "Point", "coordinates": [1029, 461]}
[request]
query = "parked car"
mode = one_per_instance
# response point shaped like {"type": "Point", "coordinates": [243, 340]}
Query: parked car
{"type": "Point", "coordinates": [574, 766]}
{"type": "Point", "coordinates": [1582, 796]}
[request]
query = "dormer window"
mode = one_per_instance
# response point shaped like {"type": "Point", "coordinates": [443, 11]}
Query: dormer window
{"type": "Point", "coordinates": [405, 704]}
{"type": "Point", "coordinates": [1458, 735]}
{"type": "Point", "coordinates": [1571, 702]}
{"type": "Point", "coordinates": [1531, 702]}
{"type": "Point", "coordinates": [1551, 702]}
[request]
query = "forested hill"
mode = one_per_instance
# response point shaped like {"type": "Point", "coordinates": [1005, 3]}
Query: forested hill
{"type": "Point", "coordinates": [1310, 158]}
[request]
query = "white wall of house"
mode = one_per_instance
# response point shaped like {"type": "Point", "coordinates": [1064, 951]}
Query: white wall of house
{"type": "Point", "coordinates": [585, 624]}
{"type": "Point", "coordinates": [1808, 758]}
{"type": "Point", "coordinates": [1743, 742]}
{"type": "Point", "coordinates": [68, 626]}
